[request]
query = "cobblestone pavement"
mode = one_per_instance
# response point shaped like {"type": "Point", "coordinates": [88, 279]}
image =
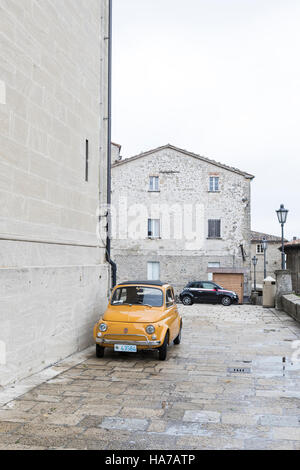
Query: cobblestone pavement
{"type": "Point", "coordinates": [190, 401]}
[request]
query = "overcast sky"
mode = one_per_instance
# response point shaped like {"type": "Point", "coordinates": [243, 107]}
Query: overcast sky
{"type": "Point", "coordinates": [220, 78]}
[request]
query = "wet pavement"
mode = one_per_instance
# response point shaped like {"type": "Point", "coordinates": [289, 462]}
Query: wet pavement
{"type": "Point", "coordinates": [233, 383]}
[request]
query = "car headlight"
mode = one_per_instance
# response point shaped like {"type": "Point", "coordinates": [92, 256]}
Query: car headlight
{"type": "Point", "coordinates": [103, 327]}
{"type": "Point", "coordinates": [150, 329]}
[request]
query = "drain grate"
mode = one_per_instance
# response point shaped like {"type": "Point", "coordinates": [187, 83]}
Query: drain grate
{"type": "Point", "coordinates": [239, 370]}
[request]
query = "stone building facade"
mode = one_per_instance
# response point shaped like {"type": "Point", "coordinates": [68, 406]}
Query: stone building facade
{"type": "Point", "coordinates": [273, 256]}
{"type": "Point", "coordinates": [54, 278]}
{"type": "Point", "coordinates": [181, 217]}
{"type": "Point", "coordinates": [292, 250]}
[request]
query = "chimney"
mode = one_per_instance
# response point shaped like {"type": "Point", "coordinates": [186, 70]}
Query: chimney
{"type": "Point", "coordinates": [115, 153]}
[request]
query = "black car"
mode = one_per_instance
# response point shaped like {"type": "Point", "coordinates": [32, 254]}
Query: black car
{"type": "Point", "coordinates": [207, 292]}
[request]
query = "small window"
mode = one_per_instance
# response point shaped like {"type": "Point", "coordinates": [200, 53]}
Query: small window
{"type": "Point", "coordinates": [154, 184]}
{"type": "Point", "coordinates": [214, 184]}
{"type": "Point", "coordinates": [153, 228]}
{"type": "Point", "coordinates": [169, 298]}
{"type": "Point", "coordinates": [86, 160]}
{"type": "Point", "coordinates": [259, 249]}
{"type": "Point", "coordinates": [214, 228]}
{"type": "Point", "coordinates": [213, 265]}
{"type": "Point", "coordinates": [153, 270]}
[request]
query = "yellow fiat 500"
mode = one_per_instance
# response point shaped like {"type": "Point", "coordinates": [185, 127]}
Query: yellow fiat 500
{"type": "Point", "coordinates": [140, 315]}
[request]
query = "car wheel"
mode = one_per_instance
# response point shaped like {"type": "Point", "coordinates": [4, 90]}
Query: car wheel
{"type": "Point", "coordinates": [177, 340]}
{"type": "Point", "coordinates": [226, 301]}
{"type": "Point", "coordinates": [99, 351]}
{"type": "Point", "coordinates": [163, 350]}
{"type": "Point", "coordinates": [186, 300]}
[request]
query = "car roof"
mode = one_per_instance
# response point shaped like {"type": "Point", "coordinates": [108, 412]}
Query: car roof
{"type": "Point", "coordinates": [144, 283]}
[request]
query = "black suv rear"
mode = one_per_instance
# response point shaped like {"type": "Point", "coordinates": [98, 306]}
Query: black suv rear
{"type": "Point", "coordinates": [207, 292]}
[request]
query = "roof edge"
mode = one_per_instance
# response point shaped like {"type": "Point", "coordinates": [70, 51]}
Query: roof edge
{"type": "Point", "coordinates": [258, 236]}
{"type": "Point", "coordinates": [185, 152]}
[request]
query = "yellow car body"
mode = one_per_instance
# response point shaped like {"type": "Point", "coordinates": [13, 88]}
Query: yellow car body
{"type": "Point", "coordinates": [141, 315]}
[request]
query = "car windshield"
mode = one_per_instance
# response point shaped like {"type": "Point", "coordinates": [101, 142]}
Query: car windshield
{"type": "Point", "coordinates": [138, 295]}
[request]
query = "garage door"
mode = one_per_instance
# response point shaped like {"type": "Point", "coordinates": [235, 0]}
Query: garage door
{"type": "Point", "coordinates": [233, 282]}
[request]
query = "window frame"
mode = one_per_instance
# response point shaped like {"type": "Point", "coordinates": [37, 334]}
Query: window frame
{"type": "Point", "coordinates": [148, 265]}
{"type": "Point", "coordinates": [261, 251]}
{"type": "Point", "coordinates": [214, 232]}
{"type": "Point", "coordinates": [168, 303]}
{"type": "Point", "coordinates": [87, 157]}
{"type": "Point", "coordinates": [214, 184]}
{"type": "Point", "coordinates": [154, 228]}
{"type": "Point", "coordinates": [154, 184]}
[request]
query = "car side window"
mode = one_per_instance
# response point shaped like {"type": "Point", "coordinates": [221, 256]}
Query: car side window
{"type": "Point", "coordinates": [208, 285]}
{"type": "Point", "coordinates": [194, 285]}
{"type": "Point", "coordinates": [169, 298]}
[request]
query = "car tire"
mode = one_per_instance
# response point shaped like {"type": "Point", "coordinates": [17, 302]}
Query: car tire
{"type": "Point", "coordinates": [187, 300]}
{"type": "Point", "coordinates": [163, 350]}
{"type": "Point", "coordinates": [226, 301]}
{"type": "Point", "coordinates": [99, 351]}
{"type": "Point", "coordinates": [177, 340]}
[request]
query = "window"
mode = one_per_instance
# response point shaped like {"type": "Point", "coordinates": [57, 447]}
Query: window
{"type": "Point", "coordinates": [214, 228]}
{"type": "Point", "coordinates": [169, 298]}
{"type": "Point", "coordinates": [153, 228]}
{"type": "Point", "coordinates": [86, 160]}
{"type": "Point", "coordinates": [194, 285]}
{"type": "Point", "coordinates": [214, 185]}
{"type": "Point", "coordinates": [208, 285]}
{"type": "Point", "coordinates": [212, 265]}
{"type": "Point", "coordinates": [138, 295]}
{"type": "Point", "coordinates": [259, 249]}
{"type": "Point", "coordinates": [154, 184]}
{"type": "Point", "coordinates": [153, 271]}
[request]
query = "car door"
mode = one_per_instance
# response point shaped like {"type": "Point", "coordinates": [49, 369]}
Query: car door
{"type": "Point", "coordinates": [172, 313]}
{"type": "Point", "coordinates": [209, 292]}
{"type": "Point", "coordinates": [195, 289]}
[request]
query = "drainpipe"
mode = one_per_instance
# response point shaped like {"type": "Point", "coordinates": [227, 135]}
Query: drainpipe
{"type": "Point", "coordinates": [108, 240]}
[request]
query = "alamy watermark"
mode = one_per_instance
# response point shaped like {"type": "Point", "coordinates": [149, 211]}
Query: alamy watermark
{"type": "Point", "coordinates": [296, 354]}
{"type": "Point", "coordinates": [2, 92]}
{"type": "Point", "coordinates": [2, 353]}
{"type": "Point", "coordinates": [167, 221]}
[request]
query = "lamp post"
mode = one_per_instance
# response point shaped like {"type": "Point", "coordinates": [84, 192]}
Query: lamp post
{"type": "Point", "coordinates": [264, 244]}
{"type": "Point", "coordinates": [282, 216]}
{"type": "Point", "coordinates": [254, 261]}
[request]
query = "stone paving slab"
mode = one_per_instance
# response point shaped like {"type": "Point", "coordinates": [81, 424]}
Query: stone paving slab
{"type": "Point", "coordinates": [189, 402]}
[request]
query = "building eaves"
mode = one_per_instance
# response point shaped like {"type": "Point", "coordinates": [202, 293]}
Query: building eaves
{"type": "Point", "coordinates": [292, 244]}
{"type": "Point", "coordinates": [184, 152]}
{"type": "Point", "coordinates": [258, 236]}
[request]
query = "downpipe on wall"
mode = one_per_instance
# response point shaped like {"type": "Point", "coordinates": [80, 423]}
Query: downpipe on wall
{"type": "Point", "coordinates": [108, 240]}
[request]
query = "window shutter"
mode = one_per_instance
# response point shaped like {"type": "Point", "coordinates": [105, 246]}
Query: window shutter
{"type": "Point", "coordinates": [149, 228]}
{"type": "Point", "coordinates": [214, 228]}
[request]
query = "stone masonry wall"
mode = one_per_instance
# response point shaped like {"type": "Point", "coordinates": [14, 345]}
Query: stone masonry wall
{"type": "Point", "coordinates": [273, 261]}
{"type": "Point", "coordinates": [183, 180]}
{"type": "Point", "coordinates": [293, 264]}
{"type": "Point", "coordinates": [53, 275]}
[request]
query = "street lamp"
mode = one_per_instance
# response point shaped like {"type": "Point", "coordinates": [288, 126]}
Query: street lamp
{"type": "Point", "coordinates": [254, 261]}
{"type": "Point", "coordinates": [282, 216]}
{"type": "Point", "coordinates": [264, 244]}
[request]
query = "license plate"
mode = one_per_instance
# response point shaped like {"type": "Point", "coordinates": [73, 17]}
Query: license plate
{"type": "Point", "coordinates": [125, 348]}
